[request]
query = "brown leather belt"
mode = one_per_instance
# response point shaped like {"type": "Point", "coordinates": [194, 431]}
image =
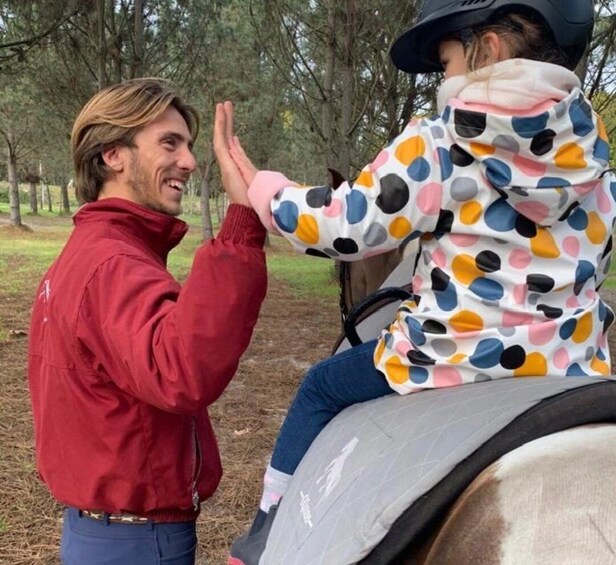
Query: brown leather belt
{"type": "Point", "coordinates": [114, 518]}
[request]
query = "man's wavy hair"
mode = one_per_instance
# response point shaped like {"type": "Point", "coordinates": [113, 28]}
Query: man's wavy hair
{"type": "Point", "coordinates": [114, 116]}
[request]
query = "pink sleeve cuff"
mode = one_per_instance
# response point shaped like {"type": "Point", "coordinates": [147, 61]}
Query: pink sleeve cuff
{"type": "Point", "coordinates": [261, 192]}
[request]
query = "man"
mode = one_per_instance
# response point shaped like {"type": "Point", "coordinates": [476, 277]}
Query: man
{"type": "Point", "coordinates": [123, 362]}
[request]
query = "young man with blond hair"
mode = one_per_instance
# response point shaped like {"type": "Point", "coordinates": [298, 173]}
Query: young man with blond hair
{"type": "Point", "coordinates": [123, 361]}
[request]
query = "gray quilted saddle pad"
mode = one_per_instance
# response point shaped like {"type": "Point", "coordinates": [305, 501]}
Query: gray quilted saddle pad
{"type": "Point", "coordinates": [383, 471]}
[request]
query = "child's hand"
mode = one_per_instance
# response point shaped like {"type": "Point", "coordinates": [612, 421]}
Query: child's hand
{"type": "Point", "coordinates": [247, 169]}
{"type": "Point", "coordinates": [232, 179]}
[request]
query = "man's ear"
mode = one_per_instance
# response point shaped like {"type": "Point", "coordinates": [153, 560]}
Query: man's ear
{"type": "Point", "coordinates": [114, 158]}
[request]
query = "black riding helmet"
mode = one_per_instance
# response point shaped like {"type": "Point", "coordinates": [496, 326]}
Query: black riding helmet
{"type": "Point", "coordinates": [416, 50]}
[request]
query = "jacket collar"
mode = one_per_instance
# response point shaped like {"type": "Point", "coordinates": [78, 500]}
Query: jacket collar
{"type": "Point", "coordinates": [158, 231]}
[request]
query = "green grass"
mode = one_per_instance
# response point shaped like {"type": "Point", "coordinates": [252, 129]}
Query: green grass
{"type": "Point", "coordinates": [26, 255]}
{"type": "Point", "coordinates": [180, 259]}
{"type": "Point", "coordinates": [610, 281]}
{"type": "Point", "coordinates": [306, 276]}
{"type": "Point", "coordinates": [24, 190]}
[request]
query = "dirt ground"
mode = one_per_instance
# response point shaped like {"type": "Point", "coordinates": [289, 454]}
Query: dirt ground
{"type": "Point", "coordinates": [291, 335]}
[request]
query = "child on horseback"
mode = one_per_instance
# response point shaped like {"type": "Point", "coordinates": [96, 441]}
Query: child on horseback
{"type": "Point", "coordinates": [507, 192]}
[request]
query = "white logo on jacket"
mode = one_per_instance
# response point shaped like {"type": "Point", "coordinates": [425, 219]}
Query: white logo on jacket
{"type": "Point", "coordinates": [44, 295]}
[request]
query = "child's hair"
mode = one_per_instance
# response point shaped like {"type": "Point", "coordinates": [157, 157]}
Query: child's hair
{"type": "Point", "coordinates": [526, 36]}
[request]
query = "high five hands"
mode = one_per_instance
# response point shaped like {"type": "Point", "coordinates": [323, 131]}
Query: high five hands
{"type": "Point", "coordinates": [236, 169]}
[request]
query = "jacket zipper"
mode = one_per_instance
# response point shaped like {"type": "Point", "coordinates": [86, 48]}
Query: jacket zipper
{"type": "Point", "coordinates": [196, 465]}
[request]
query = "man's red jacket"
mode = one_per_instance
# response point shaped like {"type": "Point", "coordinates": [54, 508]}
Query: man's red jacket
{"type": "Point", "coordinates": [123, 362]}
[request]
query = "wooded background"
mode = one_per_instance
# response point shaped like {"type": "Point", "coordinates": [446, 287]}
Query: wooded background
{"type": "Point", "coordinates": [311, 79]}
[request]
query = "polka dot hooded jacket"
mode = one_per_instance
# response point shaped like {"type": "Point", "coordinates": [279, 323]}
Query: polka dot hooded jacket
{"type": "Point", "coordinates": [507, 192]}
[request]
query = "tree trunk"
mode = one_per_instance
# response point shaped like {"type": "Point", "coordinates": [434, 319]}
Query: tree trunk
{"type": "Point", "coordinates": [48, 197]}
{"type": "Point", "coordinates": [66, 207]}
{"type": "Point", "coordinates": [216, 203]}
{"type": "Point", "coordinates": [348, 93]}
{"type": "Point", "coordinates": [192, 194]}
{"type": "Point", "coordinates": [327, 112]}
{"type": "Point", "coordinates": [33, 198]}
{"type": "Point", "coordinates": [224, 204]}
{"type": "Point", "coordinates": [15, 211]}
{"type": "Point", "coordinates": [116, 44]}
{"type": "Point", "coordinates": [102, 44]}
{"type": "Point", "coordinates": [206, 214]}
{"type": "Point", "coordinates": [138, 62]}
{"type": "Point", "coordinates": [219, 200]}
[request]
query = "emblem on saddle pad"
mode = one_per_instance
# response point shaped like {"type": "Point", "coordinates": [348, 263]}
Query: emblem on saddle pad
{"type": "Point", "coordinates": [333, 471]}
{"type": "Point", "coordinates": [328, 480]}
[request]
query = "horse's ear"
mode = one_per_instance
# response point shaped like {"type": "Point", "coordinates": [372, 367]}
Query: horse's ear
{"type": "Point", "coordinates": [335, 178]}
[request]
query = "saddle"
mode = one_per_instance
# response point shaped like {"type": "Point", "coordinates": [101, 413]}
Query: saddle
{"type": "Point", "coordinates": [384, 473]}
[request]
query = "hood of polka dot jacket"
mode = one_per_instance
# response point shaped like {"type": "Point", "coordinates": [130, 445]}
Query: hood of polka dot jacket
{"type": "Point", "coordinates": [507, 192]}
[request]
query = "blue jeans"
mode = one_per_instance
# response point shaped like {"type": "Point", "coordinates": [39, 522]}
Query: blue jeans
{"type": "Point", "coordinates": [95, 542]}
{"type": "Point", "coordinates": [329, 387]}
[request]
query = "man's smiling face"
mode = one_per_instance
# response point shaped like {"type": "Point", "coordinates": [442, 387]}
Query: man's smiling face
{"type": "Point", "coordinates": [160, 163]}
